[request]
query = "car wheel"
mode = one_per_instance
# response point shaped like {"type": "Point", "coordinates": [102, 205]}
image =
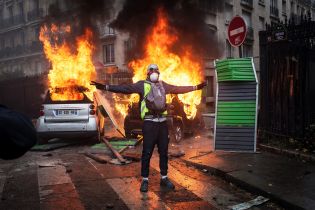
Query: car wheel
{"type": "Point", "coordinates": [178, 133]}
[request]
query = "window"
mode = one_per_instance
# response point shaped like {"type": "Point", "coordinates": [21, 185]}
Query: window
{"type": "Point", "coordinates": [274, 3]}
{"type": "Point", "coordinates": [247, 50]}
{"type": "Point", "coordinates": [38, 66]}
{"type": "Point", "coordinates": [210, 90]}
{"type": "Point", "coordinates": [298, 10]}
{"type": "Point", "coordinates": [228, 49]}
{"type": "Point", "coordinates": [12, 41]}
{"type": "Point", "coordinates": [302, 11]}
{"type": "Point", "coordinates": [2, 43]}
{"type": "Point", "coordinates": [108, 53]}
{"type": "Point", "coordinates": [35, 4]}
{"type": "Point", "coordinates": [109, 31]}
{"type": "Point", "coordinates": [261, 23]}
{"type": "Point", "coordinates": [22, 36]}
{"type": "Point", "coordinates": [1, 14]}
{"type": "Point", "coordinates": [274, 11]}
{"type": "Point", "coordinates": [228, 13]}
{"type": "Point", "coordinates": [247, 17]}
{"type": "Point", "coordinates": [128, 45]}
{"type": "Point", "coordinates": [284, 7]}
{"type": "Point", "coordinates": [36, 32]}
{"type": "Point", "coordinates": [292, 7]}
{"type": "Point", "coordinates": [21, 9]}
{"type": "Point", "coordinates": [10, 9]}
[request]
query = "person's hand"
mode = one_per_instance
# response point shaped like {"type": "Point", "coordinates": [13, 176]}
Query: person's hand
{"type": "Point", "coordinates": [201, 85]}
{"type": "Point", "coordinates": [98, 85]}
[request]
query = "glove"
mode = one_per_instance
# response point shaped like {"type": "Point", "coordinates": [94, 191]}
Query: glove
{"type": "Point", "coordinates": [99, 85]}
{"type": "Point", "coordinates": [201, 85]}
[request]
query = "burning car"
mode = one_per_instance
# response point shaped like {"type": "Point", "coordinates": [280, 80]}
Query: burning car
{"type": "Point", "coordinates": [67, 118]}
{"type": "Point", "coordinates": [68, 109]}
{"type": "Point", "coordinates": [178, 123]}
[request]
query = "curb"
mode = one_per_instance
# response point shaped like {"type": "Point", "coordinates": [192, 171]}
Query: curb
{"type": "Point", "coordinates": [286, 152]}
{"type": "Point", "coordinates": [244, 185]}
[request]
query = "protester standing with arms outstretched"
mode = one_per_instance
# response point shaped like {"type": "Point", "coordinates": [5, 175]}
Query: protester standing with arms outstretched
{"type": "Point", "coordinates": [152, 93]}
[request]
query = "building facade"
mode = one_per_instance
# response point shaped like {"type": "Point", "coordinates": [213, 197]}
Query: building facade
{"type": "Point", "coordinates": [21, 52]}
{"type": "Point", "coordinates": [257, 13]}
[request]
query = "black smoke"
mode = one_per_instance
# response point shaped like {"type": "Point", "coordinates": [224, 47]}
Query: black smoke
{"type": "Point", "coordinates": [79, 14]}
{"type": "Point", "coordinates": [185, 16]}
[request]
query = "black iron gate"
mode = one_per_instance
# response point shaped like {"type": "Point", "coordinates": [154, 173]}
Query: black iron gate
{"type": "Point", "coordinates": [287, 81]}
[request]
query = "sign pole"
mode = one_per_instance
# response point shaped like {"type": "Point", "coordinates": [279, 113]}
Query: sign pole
{"type": "Point", "coordinates": [240, 51]}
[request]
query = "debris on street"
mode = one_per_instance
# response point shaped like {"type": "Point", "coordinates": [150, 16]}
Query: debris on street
{"type": "Point", "coordinates": [246, 205]}
{"type": "Point", "coordinates": [98, 157]}
{"type": "Point", "coordinates": [176, 153]}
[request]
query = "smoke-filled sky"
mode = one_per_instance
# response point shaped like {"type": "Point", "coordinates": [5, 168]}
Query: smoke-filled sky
{"type": "Point", "coordinates": [137, 16]}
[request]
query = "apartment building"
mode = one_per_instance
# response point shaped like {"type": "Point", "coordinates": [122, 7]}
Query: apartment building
{"type": "Point", "coordinates": [21, 52]}
{"type": "Point", "coordinates": [257, 13]}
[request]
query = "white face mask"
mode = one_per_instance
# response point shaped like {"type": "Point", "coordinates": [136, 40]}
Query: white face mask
{"type": "Point", "coordinates": [154, 77]}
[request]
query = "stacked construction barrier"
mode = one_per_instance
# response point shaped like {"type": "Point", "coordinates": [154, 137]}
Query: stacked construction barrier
{"type": "Point", "coordinates": [236, 105]}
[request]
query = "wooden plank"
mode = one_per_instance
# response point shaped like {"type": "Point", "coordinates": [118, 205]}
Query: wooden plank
{"type": "Point", "coordinates": [119, 157]}
{"type": "Point", "coordinates": [101, 101]}
{"type": "Point", "coordinates": [96, 157]}
{"type": "Point", "coordinates": [136, 144]}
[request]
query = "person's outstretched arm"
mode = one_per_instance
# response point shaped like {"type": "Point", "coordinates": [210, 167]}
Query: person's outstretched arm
{"type": "Point", "coordinates": [172, 89]}
{"type": "Point", "coordinates": [124, 88]}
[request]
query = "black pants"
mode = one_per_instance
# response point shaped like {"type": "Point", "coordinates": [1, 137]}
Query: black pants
{"type": "Point", "coordinates": [154, 133]}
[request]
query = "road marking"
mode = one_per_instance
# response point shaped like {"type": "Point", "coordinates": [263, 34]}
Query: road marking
{"type": "Point", "coordinates": [2, 181]}
{"type": "Point", "coordinates": [237, 31]}
{"type": "Point", "coordinates": [56, 190]}
{"type": "Point", "coordinates": [3, 177]}
{"type": "Point", "coordinates": [128, 191]}
{"type": "Point", "coordinates": [52, 173]}
{"type": "Point", "coordinates": [202, 189]}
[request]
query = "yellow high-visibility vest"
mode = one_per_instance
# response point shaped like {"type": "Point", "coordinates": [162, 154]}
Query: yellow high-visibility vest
{"type": "Point", "coordinates": [144, 109]}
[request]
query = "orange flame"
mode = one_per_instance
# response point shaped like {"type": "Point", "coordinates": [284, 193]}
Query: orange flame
{"type": "Point", "coordinates": [72, 70]}
{"type": "Point", "coordinates": [176, 68]}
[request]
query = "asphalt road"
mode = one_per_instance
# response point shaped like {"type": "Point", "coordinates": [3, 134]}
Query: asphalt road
{"type": "Point", "coordinates": [66, 179]}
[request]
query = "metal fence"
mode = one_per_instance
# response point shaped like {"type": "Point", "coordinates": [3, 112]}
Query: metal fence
{"type": "Point", "coordinates": [287, 81]}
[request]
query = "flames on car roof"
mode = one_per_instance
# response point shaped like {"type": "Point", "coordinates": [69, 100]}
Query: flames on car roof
{"type": "Point", "coordinates": [78, 89]}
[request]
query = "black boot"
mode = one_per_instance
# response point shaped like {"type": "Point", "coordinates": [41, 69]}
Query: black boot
{"type": "Point", "coordinates": [144, 186]}
{"type": "Point", "coordinates": [167, 183]}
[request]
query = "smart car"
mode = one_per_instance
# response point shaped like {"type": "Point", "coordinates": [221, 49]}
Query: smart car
{"type": "Point", "coordinates": [66, 119]}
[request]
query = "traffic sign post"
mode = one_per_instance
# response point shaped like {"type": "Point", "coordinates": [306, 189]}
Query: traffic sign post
{"type": "Point", "coordinates": [237, 31]}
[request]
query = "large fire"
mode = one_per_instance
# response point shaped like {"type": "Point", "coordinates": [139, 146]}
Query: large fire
{"type": "Point", "coordinates": [72, 68]}
{"type": "Point", "coordinates": [176, 68]}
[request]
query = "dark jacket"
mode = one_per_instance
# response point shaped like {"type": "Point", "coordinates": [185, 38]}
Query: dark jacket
{"type": "Point", "coordinates": [17, 134]}
{"type": "Point", "coordinates": [138, 87]}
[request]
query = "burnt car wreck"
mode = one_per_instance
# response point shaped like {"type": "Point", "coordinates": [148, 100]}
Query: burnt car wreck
{"type": "Point", "coordinates": [178, 123]}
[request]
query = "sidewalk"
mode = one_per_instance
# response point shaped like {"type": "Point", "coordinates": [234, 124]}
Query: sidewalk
{"type": "Point", "coordinates": [288, 181]}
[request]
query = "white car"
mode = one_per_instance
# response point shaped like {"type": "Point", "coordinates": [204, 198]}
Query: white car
{"type": "Point", "coordinates": [66, 119]}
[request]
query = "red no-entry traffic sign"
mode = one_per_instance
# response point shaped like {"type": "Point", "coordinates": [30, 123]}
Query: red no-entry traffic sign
{"type": "Point", "coordinates": [237, 31]}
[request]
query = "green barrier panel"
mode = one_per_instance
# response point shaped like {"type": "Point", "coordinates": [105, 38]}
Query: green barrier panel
{"type": "Point", "coordinates": [236, 108]}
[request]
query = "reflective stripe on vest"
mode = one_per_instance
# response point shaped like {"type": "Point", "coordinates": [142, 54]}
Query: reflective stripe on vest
{"type": "Point", "coordinates": [143, 108]}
